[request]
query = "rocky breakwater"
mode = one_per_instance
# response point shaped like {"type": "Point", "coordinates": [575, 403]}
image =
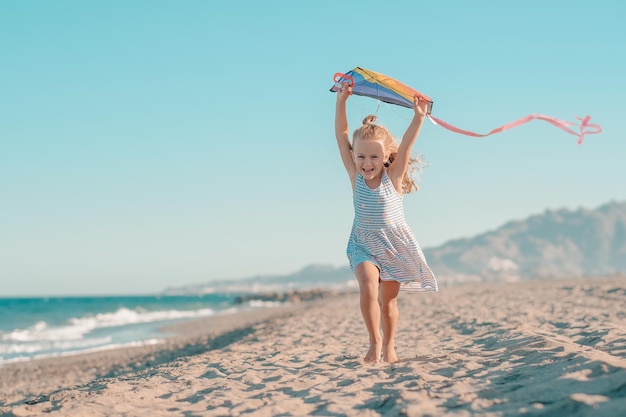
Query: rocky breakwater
{"type": "Point", "coordinates": [292, 296]}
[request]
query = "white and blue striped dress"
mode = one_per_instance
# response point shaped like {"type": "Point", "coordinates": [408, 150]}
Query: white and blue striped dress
{"type": "Point", "coordinates": [381, 236]}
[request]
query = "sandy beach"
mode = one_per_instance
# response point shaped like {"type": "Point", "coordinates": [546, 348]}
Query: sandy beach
{"type": "Point", "coordinates": [554, 348]}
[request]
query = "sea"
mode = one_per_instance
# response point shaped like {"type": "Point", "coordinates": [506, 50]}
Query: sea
{"type": "Point", "coordinates": [33, 328]}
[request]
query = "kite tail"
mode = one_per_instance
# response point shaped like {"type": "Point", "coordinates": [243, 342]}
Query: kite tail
{"type": "Point", "coordinates": [584, 124]}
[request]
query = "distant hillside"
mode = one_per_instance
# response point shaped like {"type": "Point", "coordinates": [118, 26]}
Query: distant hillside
{"type": "Point", "coordinates": [556, 243]}
{"type": "Point", "coordinates": [552, 244]}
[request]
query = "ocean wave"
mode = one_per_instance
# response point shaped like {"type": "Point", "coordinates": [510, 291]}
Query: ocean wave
{"type": "Point", "coordinates": [77, 328]}
{"type": "Point", "coordinates": [51, 345]}
{"type": "Point", "coordinates": [76, 349]}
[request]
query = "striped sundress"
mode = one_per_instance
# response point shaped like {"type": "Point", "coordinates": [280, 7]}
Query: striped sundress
{"type": "Point", "coordinates": [381, 236]}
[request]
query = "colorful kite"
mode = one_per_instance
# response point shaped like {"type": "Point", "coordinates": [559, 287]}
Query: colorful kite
{"type": "Point", "coordinates": [381, 87]}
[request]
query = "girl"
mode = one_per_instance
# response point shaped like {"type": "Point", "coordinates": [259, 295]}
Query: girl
{"type": "Point", "coordinates": [383, 252]}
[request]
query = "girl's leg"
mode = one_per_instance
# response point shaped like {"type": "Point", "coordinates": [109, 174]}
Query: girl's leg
{"type": "Point", "coordinates": [368, 274]}
{"type": "Point", "coordinates": [388, 299]}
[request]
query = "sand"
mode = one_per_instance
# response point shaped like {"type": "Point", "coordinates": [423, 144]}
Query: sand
{"type": "Point", "coordinates": [554, 348]}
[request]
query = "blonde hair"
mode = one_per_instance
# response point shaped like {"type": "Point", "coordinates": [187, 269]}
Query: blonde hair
{"type": "Point", "coordinates": [371, 131]}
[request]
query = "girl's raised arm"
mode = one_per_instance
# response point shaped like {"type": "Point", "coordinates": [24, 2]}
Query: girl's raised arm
{"type": "Point", "coordinates": [399, 167]}
{"type": "Point", "coordinates": [342, 133]}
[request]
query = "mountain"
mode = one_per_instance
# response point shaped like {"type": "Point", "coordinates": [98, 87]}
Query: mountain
{"type": "Point", "coordinates": [556, 243]}
{"type": "Point", "coordinates": [552, 244]}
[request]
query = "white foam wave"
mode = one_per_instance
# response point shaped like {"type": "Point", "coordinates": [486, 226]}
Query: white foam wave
{"type": "Point", "coordinates": [51, 345]}
{"type": "Point", "coordinates": [77, 328]}
{"type": "Point", "coordinates": [26, 356]}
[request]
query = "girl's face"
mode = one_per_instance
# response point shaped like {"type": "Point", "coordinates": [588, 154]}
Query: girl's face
{"type": "Point", "coordinates": [369, 158]}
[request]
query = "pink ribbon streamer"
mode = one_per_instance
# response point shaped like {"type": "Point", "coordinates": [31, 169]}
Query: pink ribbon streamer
{"type": "Point", "coordinates": [561, 124]}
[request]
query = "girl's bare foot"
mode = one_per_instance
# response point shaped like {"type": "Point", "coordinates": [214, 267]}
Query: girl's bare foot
{"type": "Point", "coordinates": [389, 354]}
{"type": "Point", "coordinates": [373, 354]}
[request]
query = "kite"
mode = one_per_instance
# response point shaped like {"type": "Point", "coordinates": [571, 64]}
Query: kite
{"type": "Point", "coordinates": [381, 87]}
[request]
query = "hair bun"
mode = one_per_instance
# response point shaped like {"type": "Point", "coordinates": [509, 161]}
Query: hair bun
{"type": "Point", "coordinates": [369, 119]}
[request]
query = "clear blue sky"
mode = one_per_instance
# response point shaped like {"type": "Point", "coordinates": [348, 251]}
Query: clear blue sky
{"type": "Point", "coordinates": [146, 144]}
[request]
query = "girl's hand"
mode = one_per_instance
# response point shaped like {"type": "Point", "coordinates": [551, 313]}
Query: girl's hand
{"type": "Point", "coordinates": [420, 106]}
{"type": "Point", "coordinates": [344, 92]}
